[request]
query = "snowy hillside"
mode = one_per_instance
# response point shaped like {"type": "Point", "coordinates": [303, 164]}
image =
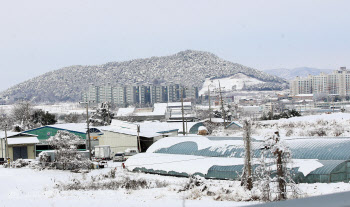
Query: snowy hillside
{"type": "Point", "coordinates": [289, 74]}
{"type": "Point", "coordinates": [188, 67]}
{"type": "Point", "coordinates": [235, 82]}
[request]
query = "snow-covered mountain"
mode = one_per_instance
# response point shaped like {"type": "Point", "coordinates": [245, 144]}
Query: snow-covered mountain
{"type": "Point", "coordinates": [187, 67]}
{"type": "Point", "coordinates": [290, 74]}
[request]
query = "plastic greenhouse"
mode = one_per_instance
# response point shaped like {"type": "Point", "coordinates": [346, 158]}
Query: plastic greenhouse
{"type": "Point", "coordinates": [323, 159]}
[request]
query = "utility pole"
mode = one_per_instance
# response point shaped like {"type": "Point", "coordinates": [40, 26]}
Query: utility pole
{"type": "Point", "coordinates": [209, 104]}
{"type": "Point", "coordinates": [6, 147]}
{"type": "Point", "coordinates": [222, 105]}
{"type": "Point", "coordinates": [138, 138]}
{"type": "Point", "coordinates": [183, 113]}
{"type": "Point", "coordinates": [247, 176]}
{"type": "Point", "coordinates": [88, 126]}
{"type": "Point", "coordinates": [2, 148]}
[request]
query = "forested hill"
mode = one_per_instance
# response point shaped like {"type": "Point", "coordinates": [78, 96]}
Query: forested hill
{"type": "Point", "coordinates": [187, 67]}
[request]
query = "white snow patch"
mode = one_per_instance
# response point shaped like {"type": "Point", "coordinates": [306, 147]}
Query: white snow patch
{"type": "Point", "coordinates": [235, 82]}
{"type": "Point", "coordinates": [306, 166]}
{"type": "Point", "coordinates": [202, 142]}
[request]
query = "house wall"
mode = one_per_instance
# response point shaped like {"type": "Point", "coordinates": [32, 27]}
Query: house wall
{"type": "Point", "coordinates": [30, 150]}
{"type": "Point", "coordinates": [2, 150]}
{"type": "Point", "coordinates": [118, 142]}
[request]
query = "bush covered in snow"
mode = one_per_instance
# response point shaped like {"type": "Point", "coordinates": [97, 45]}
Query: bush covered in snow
{"type": "Point", "coordinates": [67, 156]}
{"type": "Point", "coordinates": [110, 181]}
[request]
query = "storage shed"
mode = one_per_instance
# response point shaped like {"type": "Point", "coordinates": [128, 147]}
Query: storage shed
{"type": "Point", "coordinates": [20, 145]}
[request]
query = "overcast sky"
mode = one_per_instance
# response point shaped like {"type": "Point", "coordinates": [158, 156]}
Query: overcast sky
{"type": "Point", "coordinates": [40, 36]}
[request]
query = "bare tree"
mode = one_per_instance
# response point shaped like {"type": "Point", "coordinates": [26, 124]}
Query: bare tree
{"type": "Point", "coordinates": [22, 115]}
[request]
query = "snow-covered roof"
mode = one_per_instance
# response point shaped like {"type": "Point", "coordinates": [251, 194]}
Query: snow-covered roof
{"type": "Point", "coordinates": [9, 134]}
{"type": "Point", "coordinates": [147, 134]}
{"type": "Point", "coordinates": [191, 164]}
{"type": "Point", "coordinates": [216, 120]}
{"type": "Point", "coordinates": [125, 111]}
{"type": "Point", "coordinates": [147, 128]}
{"type": "Point", "coordinates": [311, 148]}
{"type": "Point", "coordinates": [302, 95]}
{"type": "Point", "coordinates": [198, 154]}
{"type": "Point", "coordinates": [285, 100]}
{"type": "Point", "coordinates": [22, 140]}
{"type": "Point", "coordinates": [159, 109]}
{"type": "Point", "coordinates": [235, 123]}
{"type": "Point", "coordinates": [178, 104]}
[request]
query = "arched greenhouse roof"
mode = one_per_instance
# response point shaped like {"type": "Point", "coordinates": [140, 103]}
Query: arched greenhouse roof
{"type": "Point", "coordinates": [310, 148]}
{"type": "Point", "coordinates": [328, 167]}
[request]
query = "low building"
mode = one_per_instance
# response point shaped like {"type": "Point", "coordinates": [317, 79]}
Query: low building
{"type": "Point", "coordinates": [121, 135]}
{"type": "Point", "coordinates": [158, 112]}
{"type": "Point", "coordinates": [79, 129]}
{"type": "Point", "coordinates": [20, 145]}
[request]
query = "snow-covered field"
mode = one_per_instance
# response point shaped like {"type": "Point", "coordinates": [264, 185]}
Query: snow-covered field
{"type": "Point", "coordinates": [324, 125]}
{"type": "Point", "coordinates": [60, 108]}
{"type": "Point", "coordinates": [29, 187]}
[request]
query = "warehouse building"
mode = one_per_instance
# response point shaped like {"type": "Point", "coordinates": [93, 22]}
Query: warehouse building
{"type": "Point", "coordinates": [121, 135]}
{"type": "Point", "coordinates": [79, 129]}
{"type": "Point", "coordinates": [314, 159]}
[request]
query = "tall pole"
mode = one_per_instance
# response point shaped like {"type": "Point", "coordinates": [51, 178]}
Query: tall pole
{"type": "Point", "coordinates": [138, 138]}
{"type": "Point", "coordinates": [2, 148]}
{"type": "Point", "coordinates": [222, 105]}
{"type": "Point", "coordinates": [7, 145]}
{"type": "Point", "coordinates": [209, 104]}
{"type": "Point", "coordinates": [183, 116]}
{"type": "Point", "coordinates": [88, 127]}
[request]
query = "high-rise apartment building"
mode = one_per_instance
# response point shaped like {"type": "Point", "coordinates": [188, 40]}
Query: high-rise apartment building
{"type": "Point", "coordinates": [142, 95]}
{"type": "Point", "coordinates": [118, 95]}
{"type": "Point", "coordinates": [336, 83]}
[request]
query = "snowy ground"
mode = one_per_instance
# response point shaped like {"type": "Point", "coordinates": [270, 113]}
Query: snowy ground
{"type": "Point", "coordinates": [324, 125]}
{"type": "Point", "coordinates": [60, 108]}
{"type": "Point", "coordinates": [29, 187]}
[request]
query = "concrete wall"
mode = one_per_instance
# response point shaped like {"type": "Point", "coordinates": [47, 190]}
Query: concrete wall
{"type": "Point", "coordinates": [118, 142]}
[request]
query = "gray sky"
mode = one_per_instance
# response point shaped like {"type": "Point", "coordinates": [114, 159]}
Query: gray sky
{"type": "Point", "coordinates": [38, 36]}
